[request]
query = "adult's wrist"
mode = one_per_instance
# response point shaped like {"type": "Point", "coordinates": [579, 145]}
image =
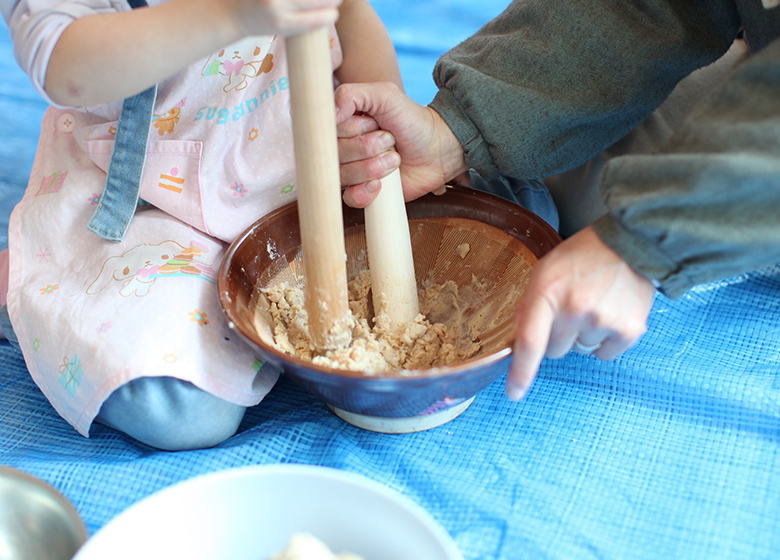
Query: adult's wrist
{"type": "Point", "coordinates": [464, 146]}
{"type": "Point", "coordinates": [452, 156]}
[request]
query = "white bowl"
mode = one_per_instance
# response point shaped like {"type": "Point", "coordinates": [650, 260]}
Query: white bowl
{"type": "Point", "coordinates": [250, 513]}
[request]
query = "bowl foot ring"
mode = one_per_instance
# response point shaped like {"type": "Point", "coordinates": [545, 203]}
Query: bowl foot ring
{"type": "Point", "coordinates": [402, 425]}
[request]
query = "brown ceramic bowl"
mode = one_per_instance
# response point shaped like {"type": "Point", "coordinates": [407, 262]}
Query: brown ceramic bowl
{"type": "Point", "coordinates": [505, 241]}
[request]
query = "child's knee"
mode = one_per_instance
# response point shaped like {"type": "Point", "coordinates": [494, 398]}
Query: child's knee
{"type": "Point", "coordinates": [170, 414]}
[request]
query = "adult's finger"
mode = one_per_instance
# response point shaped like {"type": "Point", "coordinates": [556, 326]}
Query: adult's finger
{"type": "Point", "coordinates": [368, 145]}
{"type": "Point", "coordinates": [623, 339]}
{"type": "Point", "coordinates": [356, 125]}
{"type": "Point", "coordinates": [360, 196]}
{"type": "Point", "coordinates": [533, 325]}
{"type": "Point", "coordinates": [364, 99]}
{"type": "Point", "coordinates": [562, 336]}
{"type": "Point", "coordinates": [369, 170]}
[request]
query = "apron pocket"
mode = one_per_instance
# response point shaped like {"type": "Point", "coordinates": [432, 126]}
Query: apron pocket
{"type": "Point", "coordinates": [171, 177]}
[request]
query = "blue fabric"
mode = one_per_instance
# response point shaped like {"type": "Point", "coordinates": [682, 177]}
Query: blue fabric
{"type": "Point", "coordinates": [170, 414]}
{"type": "Point", "coordinates": [123, 183]}
{"type": "Point", "coordinates": [670, 451]}
{"type": "Point", "coordinates": [528, 193]}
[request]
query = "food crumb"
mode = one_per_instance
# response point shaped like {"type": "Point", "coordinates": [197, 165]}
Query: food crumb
{"type": "Point", "coordinates": [304, 546]}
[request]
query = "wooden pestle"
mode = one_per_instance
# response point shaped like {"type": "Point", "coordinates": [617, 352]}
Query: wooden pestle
{"type": "Point", "coordinates": [319, 207]}
{"type": "Point", "coordinates": [319, 189]}
{"type": "Point", "coordinates": [390, 259]}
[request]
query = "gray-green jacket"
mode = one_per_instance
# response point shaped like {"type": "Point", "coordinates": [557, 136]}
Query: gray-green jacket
{"type": "Point", "coordinates": [550, 83]}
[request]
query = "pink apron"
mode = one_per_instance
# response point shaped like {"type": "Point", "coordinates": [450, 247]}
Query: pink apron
{"type": "Point", "coordinates": [92, 314]}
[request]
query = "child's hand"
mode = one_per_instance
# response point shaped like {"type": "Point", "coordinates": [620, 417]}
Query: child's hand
{"type": "Point", "coordinates": [282, 17]}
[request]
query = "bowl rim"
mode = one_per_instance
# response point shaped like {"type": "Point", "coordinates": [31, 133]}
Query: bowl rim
{"type": "Point", "coordinates": [68, 507]}
{"type": "Point", "coordinates": [277, 355]}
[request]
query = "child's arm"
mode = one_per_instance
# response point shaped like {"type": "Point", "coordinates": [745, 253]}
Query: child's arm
{"type": "Point", "coordinates": [109, 56]}
{"type": "Point", "coordinates": [369, 55]}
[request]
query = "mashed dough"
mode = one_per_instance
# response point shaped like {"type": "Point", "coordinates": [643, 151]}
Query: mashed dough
{"type": "Point", "coordinates": [303, 546]}
{"type": "Point", "coordinates": [438, 336]}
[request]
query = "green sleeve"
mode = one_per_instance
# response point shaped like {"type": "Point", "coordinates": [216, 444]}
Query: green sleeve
{"type": "Point", "coordinates": [708, 206]}
{"type": "Point", "coordinates": [550, 83]}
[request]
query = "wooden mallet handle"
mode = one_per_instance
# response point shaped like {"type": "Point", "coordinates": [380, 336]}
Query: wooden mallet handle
{"type": "Point", "coordinates": [319, 189]}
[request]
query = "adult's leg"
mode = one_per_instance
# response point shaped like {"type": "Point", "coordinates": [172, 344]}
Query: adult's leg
{"type": "Point", "coordinates": [531, 194]}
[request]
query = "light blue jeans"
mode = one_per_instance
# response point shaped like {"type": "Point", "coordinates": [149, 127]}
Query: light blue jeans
{"type": "Point", "coordinates": [531, 194]}
{"type": "Point", "coordinates": [170, 414]}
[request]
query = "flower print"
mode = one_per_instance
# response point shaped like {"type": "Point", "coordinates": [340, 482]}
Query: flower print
{"type": "Point", "coordinates": [238, 189]}
{"type": "Point", "coordinates": [94, 200]}
{"type": "Point", "coordinates": [71, 374]}
{"type": "Point", "coordinates": [253, 134]}
{"type": "Point", "coordinates": [103, 328]}
{"type": "Point", "coordinates": [287, 189]}
{"type": "Point", "coordinates": [49, 289]}
{"type": "Point", "coordinates": [199, 318]}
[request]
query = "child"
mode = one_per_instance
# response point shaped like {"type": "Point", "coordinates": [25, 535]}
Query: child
{"type": "Point", "coordinates": [119, 320]}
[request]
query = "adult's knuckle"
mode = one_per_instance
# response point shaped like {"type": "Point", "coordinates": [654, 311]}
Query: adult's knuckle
{"type": "Point", "coordinates": [528, 340]}
{"type": "Point", "coordinates": [375, 168]}
{"type": "Point", "coordinates": [635, 329]}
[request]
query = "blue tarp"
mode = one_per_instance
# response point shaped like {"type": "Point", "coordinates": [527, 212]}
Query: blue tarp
{"type": "Point", "coordinates": [670, 451]}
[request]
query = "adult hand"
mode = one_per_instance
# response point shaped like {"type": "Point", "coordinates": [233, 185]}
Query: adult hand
{"type": "Point", "coordinates": [371, 119]}
{"type": "Point", "coordinates": [581, 292]}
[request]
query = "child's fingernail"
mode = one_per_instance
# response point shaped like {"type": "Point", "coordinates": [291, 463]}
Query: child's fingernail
{"type": "Point", "coordinates": [515, 392]}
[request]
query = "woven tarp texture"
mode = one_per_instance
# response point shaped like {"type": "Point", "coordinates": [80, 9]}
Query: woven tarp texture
{"type": "Point", "coordinates": [670, 451]}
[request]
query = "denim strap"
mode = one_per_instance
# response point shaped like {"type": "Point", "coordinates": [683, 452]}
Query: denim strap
{"type": "Point", "coordinates": [123, 183]}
